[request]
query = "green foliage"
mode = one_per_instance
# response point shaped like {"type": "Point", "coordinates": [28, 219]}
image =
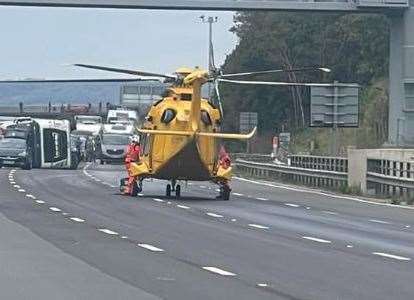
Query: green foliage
{"type": "Point", "coordinates": [355, 47]}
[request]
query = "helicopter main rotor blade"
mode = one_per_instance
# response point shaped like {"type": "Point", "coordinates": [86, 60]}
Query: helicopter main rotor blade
{"type": "Point", "coordinates": [124, 71]}
{"type": "Point", "coordinates": [76, 80]}
{"type": "Point", "coordinates": [216, 87]}
{"type": "Point", "coordinates": [275, 83]}
{"type": "Point", "coordinates": [305, 69]}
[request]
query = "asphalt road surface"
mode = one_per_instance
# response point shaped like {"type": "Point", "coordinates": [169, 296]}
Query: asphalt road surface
{"type": "Point", "coordinates": [70, 235]}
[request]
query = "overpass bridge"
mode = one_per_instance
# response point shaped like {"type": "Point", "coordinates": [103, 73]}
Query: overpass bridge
{"type": "Point", "coordinates": [400, 13]}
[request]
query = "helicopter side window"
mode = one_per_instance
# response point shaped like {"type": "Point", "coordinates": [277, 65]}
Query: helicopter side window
{"type": "Point", "coordinates": [205, 118]}
{"type": "Point", "coordinates": [168, 116]}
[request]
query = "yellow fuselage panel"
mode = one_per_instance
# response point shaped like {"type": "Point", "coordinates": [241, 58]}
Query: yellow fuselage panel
{"type": "Point", "coordinates": [167, 147]}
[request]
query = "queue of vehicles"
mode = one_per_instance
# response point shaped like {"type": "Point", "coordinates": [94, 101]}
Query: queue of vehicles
{"type": "Point", "coordinates": [46, 143]}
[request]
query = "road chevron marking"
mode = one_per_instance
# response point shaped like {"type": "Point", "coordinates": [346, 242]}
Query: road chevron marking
{"type": "Point", "coordinates": [316, 239]}
{"type": "Point", "coordinates": [219, 271]}
{"type": "Point", "coordinates": [397, 257]}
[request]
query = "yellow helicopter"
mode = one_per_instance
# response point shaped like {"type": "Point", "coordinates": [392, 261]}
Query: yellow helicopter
{"type": "Point", "coordinates": [180, 132]}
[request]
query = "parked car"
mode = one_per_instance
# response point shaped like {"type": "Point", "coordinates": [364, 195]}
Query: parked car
{"type": "Point", "coordinates": [16, 152]}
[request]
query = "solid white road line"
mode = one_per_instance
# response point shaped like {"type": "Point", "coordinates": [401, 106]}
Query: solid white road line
{"type": "Point", "coordinates": [292, 205]}
{"type": "Point", "coordinates": [55, 209]}
{"type": "Point", "coordinates": [40, 202]}
{"type": "Point", "coordinates": [297, 189]}
{"type": "Point", "coordinates": [237, 194]}
{"type": "Point", "coordinates": [316, 239]}
{"type": "Point", "coordinates": [258, 226]}
{"type": "Point", "coordinates": [107, 231]}
{"type": "Point", "coordinates": [79, 220]}
{"type": "Point", "coordinates": [329, 212]}
{"type": "Point", "coordinates": [183, 206]}
{"type": "Point", "coordinates": [379, 221]}
{"type": "Point", "coordinates": [392, 256]}
{"type": "Point", "coordinates": [219, 271]}
{"type": "Point", "coordinates": [150, 247]}
{"type": "Point", "coordinates": [158, 200]}
{"type": "Point", "coordinates": [214, 215]}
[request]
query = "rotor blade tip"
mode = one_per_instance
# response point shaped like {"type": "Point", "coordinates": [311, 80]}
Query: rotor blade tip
{"type": "Point", "coordinates": [326, 70]}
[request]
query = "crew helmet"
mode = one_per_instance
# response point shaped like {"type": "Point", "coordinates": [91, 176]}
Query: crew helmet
{"type": "Point", "coordinates": [135, 139]}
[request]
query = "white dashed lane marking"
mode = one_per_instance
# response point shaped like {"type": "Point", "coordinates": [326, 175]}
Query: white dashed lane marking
{"type": "Point", "coordinates": [107, 231]}
{"type": "Point", "coordinates": [219, 271]}
{"type": "Point", "coordinates": [258, 226]}
{"type": "Point", "coordinates": [158, 200]}
{"type": "Point", "coordinates": [40, 202]}
{"type": "Point", "coordinates": [387, 255]}
{"type": "Point", "coordinates": [237, 194]}
{"type": "Point", "coordinates": [292, 205]}
{"type": "Point", "coordinates": [316, 239]}
{"type": "Point", "coordinates": [22, 190]}
{"type": "Point", "coordinates": [17, 186]}
{"type": "Point", "coordinates": [151, 248]}
{"type": "Point", "coordinates": [55, 209]}
{"type": "Point", "coordinates": [30, 196]}
{"type": "Point", "coordinates": [379, 221]}
{"type": "Point", "coordinates": [262, 285]}
{"type": "Point", "coordinates": [183, 206]}
{"type": "Point", "coordinates": [262, 199]}
{"type": "Point", "coordinates": [79, 220]}
{"type": "Point", "coordinates": [214, 215]}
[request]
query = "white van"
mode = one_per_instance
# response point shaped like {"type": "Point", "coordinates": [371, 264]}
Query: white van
{"type": "Point", "coordinates": [122, 116]}
{"type": "Point", "coordinates": [93, 124]}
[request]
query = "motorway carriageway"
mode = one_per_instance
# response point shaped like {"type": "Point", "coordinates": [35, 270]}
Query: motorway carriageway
{"type": "Point", "coordinates": [270, 241]}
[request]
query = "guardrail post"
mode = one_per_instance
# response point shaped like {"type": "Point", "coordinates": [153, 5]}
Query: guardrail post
{"type": "Point", "coordinates": [357, 169]}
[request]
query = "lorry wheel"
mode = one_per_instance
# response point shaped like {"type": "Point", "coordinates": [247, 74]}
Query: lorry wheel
{"type": "Point", "coordinates": [27, 165]}
{"type": "Point", "coordinates": [168, 190]}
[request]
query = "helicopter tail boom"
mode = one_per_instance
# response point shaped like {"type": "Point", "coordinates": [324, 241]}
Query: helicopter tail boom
{"type": "Point", "coordinates": [166, 132]}
{"type": "Point", "coordinates": [234, 136]}
{"type": "Point", "coordinates": [217, 135]}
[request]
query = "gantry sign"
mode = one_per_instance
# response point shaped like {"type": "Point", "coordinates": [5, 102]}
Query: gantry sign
{"type": "Point", "coordinates": [400, 12]}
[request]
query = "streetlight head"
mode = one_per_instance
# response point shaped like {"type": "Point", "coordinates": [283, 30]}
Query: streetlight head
{"type": "Point", "coordinates": [326, 70]}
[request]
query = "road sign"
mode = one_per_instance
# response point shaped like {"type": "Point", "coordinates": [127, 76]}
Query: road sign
{"type": "Point", "coordinates": [248, 121]}
{"type": "Point", "coordinates": [336, 105]}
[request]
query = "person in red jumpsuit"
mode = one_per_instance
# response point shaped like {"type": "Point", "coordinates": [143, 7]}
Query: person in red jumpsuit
{"type": "Point", "coordinates": [132, 155]}
{"type": "Point", "coordinates": [224, 158]}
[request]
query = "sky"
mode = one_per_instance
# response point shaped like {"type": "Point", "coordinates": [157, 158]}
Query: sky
{"type": "Point", "coordinates": [40, 42]}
